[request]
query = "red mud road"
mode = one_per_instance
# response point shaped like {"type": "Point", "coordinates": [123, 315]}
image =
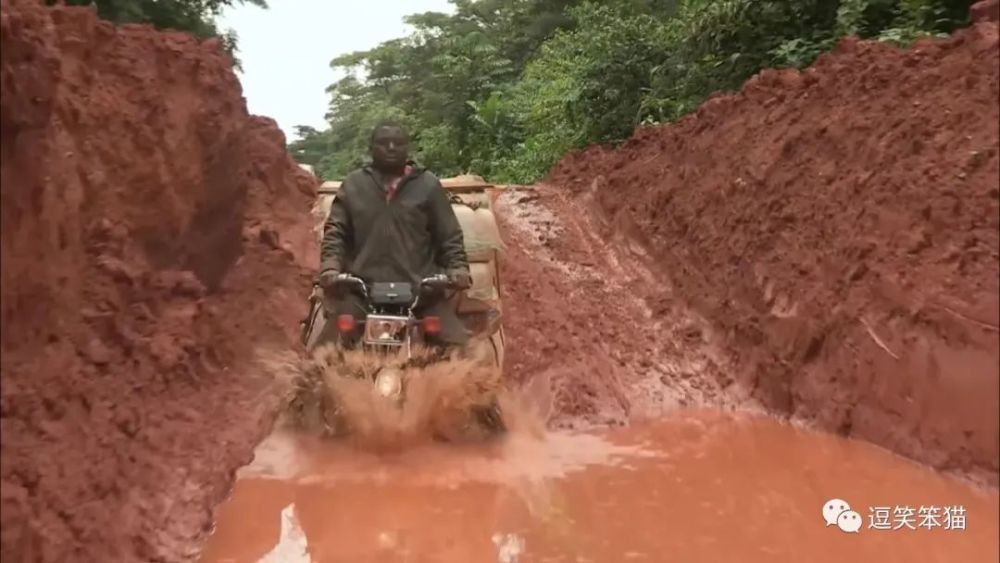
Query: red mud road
{"type": "Point", "coordinates": [822, 246]}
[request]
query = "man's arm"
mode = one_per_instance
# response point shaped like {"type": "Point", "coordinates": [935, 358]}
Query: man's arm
{"type": "Point", "coordinates": [447, 232]}
{"type": "Point", "coordinates": [336, 235]}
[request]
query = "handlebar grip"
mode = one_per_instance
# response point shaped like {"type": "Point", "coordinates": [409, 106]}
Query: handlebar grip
{"type": "Point", "coordinates": [439, 280]}
{"type": "Point", "coordinates": [343, 280]}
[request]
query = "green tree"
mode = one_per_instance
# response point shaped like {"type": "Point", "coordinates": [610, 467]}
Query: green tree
{"type": "Point", "coordinates": [504, 88]}
{"type": "Point", "coordinates": [194, 16]}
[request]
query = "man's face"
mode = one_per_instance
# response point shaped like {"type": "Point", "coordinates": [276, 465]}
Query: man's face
{"type": "Point", "coordinates": [390, 147]}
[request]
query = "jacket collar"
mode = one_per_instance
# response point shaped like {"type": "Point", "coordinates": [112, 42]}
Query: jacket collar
{"type": "Point", "coordinates": [415, 169]}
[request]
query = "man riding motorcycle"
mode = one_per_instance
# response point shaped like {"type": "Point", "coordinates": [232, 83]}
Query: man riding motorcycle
{"type": "Point", "coordinates": [392, 222]}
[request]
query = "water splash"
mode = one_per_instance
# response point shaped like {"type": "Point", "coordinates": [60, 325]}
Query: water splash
{"type": "Point", "coordinates": [333, 395]}
{"type": "Point", "coordinates": [292, 546]}
{"type": "Point", "coordinates": [509, 547]}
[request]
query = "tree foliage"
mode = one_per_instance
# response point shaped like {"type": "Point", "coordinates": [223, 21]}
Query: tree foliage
{"type": "Point", "coordinates": [503, 88]}
{"type": "Point", "coordinates": [194, 16]}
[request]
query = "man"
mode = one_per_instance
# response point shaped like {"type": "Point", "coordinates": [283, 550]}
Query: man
{"type": "Point", "coordinates": [392, 222]}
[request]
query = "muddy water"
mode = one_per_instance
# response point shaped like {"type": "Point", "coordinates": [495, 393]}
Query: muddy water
{"type": "Point", "coordinates": [694, 487]}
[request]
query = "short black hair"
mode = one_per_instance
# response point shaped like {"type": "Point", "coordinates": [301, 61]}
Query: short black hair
{"type": "Point", "coordinates": [387, 124]}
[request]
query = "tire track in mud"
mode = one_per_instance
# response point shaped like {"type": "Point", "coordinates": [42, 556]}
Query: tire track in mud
{"type": "Point", "coordinates": [586, 313]}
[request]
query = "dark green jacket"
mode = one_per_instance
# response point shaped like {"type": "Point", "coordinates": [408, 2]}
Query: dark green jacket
{"type": "Point", "coordinates": [413, 236]}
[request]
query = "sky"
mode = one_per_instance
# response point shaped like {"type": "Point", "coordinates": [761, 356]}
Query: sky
{"type": "Point", "coordinates": [286, 50]}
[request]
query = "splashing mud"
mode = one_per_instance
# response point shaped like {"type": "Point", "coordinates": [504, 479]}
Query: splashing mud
{"type": "Point", "coordinates": [443, 399]}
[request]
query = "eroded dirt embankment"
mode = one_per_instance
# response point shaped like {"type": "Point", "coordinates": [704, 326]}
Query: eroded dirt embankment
{"type": "Point", "coordinates": [578, 319]}
{"type": "Point", "coordinates": [838, 230]}
{"type": "Point", "coordinates": [152, 240]}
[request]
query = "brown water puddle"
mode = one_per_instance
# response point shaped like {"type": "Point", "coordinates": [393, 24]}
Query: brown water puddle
{"type": "Point", "coordinates": [694, 487]}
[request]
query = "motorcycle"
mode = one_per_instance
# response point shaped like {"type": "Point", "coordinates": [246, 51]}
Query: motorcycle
{"type": "Point", "coordinates": [392, 333]}
{"type": "Point", "coordinates": [390, 326]}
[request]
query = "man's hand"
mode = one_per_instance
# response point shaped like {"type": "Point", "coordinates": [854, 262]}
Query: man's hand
{"type": "Point", "coordinates": [460, 279]}
{"type": "Point", "coordinates": [328, 279]}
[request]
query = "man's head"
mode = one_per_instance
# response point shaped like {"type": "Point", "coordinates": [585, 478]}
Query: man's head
{"type": "Point", "coordinates": [389, 146]}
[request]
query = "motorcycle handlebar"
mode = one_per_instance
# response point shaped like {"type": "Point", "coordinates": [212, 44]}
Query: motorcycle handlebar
{"type": "Point", "coordinates": [348, 278]}
{"type": "Point", "coordinates": [437, 281]}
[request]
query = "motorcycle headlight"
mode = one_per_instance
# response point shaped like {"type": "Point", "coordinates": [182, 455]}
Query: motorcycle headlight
{"type": "Point", "coordinates": [389, 383]}
{"type": "Point", "coordinates": [385, 330]}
